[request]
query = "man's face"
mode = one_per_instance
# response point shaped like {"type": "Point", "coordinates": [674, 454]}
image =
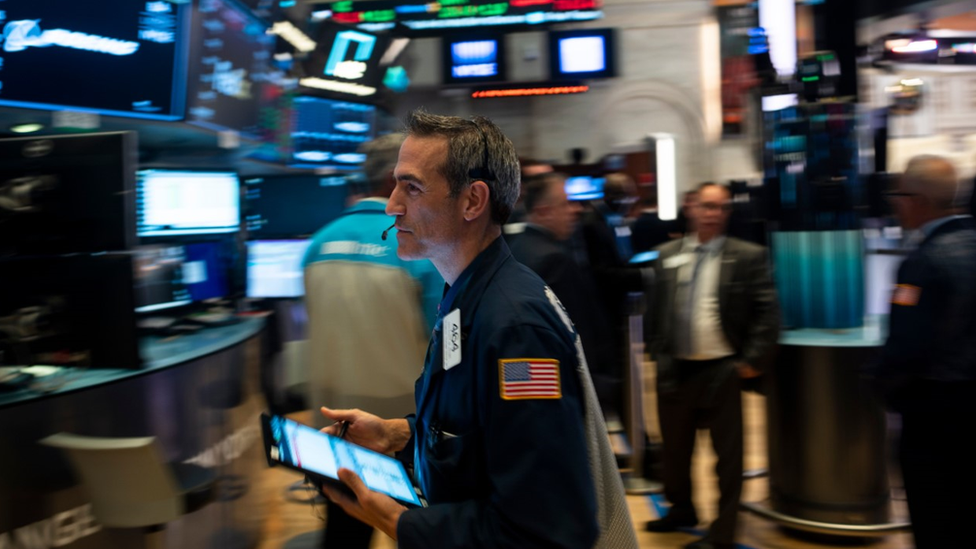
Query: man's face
{"type": "Point", "coordinates": [428, 219]}
{"type": "Point", "coordinates": [560, 215]}
{"type": "Point", "coordinates": [712, 212]}
{"type": "Point", "coordinates": [903, 204]}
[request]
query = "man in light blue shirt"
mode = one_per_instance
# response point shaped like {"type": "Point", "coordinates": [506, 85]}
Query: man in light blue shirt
{"type": "Point", "coordinates": [370, 314]}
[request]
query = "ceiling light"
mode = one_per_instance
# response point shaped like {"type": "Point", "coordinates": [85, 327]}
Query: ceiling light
{"type": "Point", "coordinates": [29, 127]}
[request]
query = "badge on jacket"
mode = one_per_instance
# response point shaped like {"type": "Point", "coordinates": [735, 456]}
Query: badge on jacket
{"type": "Point", "coordinates": [529, 378]}
{"type": "Point", "coordinates": [452, 339]}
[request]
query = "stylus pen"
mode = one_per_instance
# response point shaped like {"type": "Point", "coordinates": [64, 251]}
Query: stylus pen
{"type": "Point", "coordinates": [343, 427]}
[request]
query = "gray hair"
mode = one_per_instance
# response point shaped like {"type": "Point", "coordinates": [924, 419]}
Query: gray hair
{"type": "Point", "coordinates": [934, 178]}
{"type": "Point", "coordinates": [381, 158]}
{"type": "Point", "coordinates": [472, 144]}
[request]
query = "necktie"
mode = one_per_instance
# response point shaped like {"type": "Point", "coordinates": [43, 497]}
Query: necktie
{"type": "Point", "coordinates": [685, 342]}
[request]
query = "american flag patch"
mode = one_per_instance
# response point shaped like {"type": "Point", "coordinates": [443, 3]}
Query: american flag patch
{"type": "Point", "coordinates": [906, 295]}
{"type": "Point", "coordinates": [529, 378]}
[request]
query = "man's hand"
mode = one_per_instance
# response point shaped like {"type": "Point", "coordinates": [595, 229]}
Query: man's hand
{"type": "Point", "coordinates": [365, 429]}
{"type": "Point", "coordinates": [378, 510]}
{"type": "Point", "coordinates": [746, 371]}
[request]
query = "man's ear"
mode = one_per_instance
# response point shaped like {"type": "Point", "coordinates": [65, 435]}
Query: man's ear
{"type": "Point", "coordinates": [478, 200]}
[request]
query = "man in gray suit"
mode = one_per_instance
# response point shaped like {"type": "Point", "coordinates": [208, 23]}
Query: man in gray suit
{"type": "Point", "coordinates": [716, 318]}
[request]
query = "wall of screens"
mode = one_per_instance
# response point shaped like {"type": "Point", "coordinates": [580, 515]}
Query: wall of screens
{"type": "Point", "coordinates": [117, 57]}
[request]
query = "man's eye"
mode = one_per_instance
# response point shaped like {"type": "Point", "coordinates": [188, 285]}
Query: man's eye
{"type": "Point", "coordinates": [412, 189]}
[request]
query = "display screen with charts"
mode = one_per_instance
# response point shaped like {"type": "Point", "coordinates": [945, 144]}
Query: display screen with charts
{"type": "Point", "coordinates": [320, 456]}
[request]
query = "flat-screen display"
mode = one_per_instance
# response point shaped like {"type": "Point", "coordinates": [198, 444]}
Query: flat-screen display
{"type": "Point", "coordinates": [288, 206]}
{"type": "Point", "coordinates": [159, 278]}
{"type": "Point", "coordinates": [328, 132]}
{"type": "Point", "coordinates": [582, 53]}
{"type": "Point", "coordinates": [321, 455]}
{"type": "Point", "coordinates": [67, 193]}
{"type": "Point", "coordinates": [187, 202]}
{"type": "Point", "coordinates": [274, 268]}
{"type": "Point", "coordinates": [346, 62]}
{"type": "Point", "coordinates": [584, 187]}
{"type": "Point", "coordinates": [205, 271]}
{"type": "Point", "coordinates": [85, 307]}
{"type": "Point", "coordinates": [471, 59]}
{"type": "Point", "coordinates": [231, 72]}
{"type": "Point", "coordinates": [115, 57]}
{"type": "Point", "coordinates": [427, 18]}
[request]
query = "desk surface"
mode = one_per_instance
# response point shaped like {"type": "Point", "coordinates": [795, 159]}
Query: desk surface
{"type": "Point", "coordinates": [157, 353]}
{"type": "Point", "coordinates": [871, 334]}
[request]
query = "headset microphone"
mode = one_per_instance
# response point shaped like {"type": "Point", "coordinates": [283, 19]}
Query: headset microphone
{"type": "Point", "coordinates": [387, 231]}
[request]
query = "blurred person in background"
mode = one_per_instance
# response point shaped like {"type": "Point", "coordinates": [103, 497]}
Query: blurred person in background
{"type": "Point", "coordinates": [928, 367]}
{"type": "Point", "coordinates": [544, 247]}
{"type": "Point", "coordinates": [649, 230]}
{"type": "Point", "coordinates": [716, 317]}
{"type": "Point", "coordinates": [357, 289]}
{"type": "Point", "coordinates": [606, 241]}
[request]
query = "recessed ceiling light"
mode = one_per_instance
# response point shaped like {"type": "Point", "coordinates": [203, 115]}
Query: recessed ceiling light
{"type": "Point", "coordinates": [26, 128]}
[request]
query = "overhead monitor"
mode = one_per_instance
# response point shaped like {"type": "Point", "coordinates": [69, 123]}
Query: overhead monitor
{"type": "Point", "coordinates": [114, 57]}
{"type": "Point", "coordinates": [328, 132]}
{"type": "Point", "coordinates": [423, 17]}
{"type": "Point", "coordinates": [288, 206]}
{"type": "Point", "coordinates": [187, 202]}
{"type": "Point", "coordinates": [346, 62]}
{"type": "Point", "coordinates": [67, 193]}
{"type": "Point", "coordinates": [584, 187]}
{"type": "Point", "coordinates": [232, 76]}
{"type": "Point", "coordinates": [473, 59]}
{"type": "Point", "coordinates": [274, 268]}
{"type": "Point", "coordinates": [582, 53]}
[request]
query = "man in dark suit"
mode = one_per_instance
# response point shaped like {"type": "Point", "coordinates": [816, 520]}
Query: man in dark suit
{"type": "Point", "coordinates": [716, 317]}
{"type": "Point", "coordinates": [543, 246]}
{"type": "Point", "coordinates": [928, 366]}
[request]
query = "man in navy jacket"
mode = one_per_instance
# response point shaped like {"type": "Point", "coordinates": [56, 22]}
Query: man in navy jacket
{"type": "Point", "coordinates": [508, 444]}
{"type": "Point", "coordinates": [928, 367]}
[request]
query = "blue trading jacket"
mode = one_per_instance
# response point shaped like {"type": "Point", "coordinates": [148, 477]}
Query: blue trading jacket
{"type": "Point", "coordinates": [500, 472]}
{"type": "Point", "coordinates": [932, 328]}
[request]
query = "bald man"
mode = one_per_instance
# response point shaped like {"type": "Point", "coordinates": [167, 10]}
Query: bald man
{"type": "Point", "coordinates": [928, 367]}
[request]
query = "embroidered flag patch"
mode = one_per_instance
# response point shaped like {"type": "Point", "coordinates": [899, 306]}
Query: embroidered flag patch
{"type": "Point", "coordinates": [906, 294]}
{"type": "Point", "coordinates": [529, 378]}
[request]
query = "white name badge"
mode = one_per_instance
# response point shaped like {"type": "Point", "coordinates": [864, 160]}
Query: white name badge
{"type": "Point", "coordinates": [451, 342]}
{"type": "Point", "coordinates": [676, 261]}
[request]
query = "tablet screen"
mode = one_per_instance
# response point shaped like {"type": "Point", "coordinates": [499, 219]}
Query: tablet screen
{"type": "Point", "coordinates": [302, 447]}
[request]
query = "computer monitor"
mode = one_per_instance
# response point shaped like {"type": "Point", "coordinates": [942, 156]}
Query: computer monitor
{"type": "Point", "coordinates": [584, 187]}
{"type": "Point", "coordinates": [231, 72]}
{"type": "Point", "coordinates": [187, 202]}
{"type": "Point", "coordinates": [67, 193]}
{"type": "Point", "coordinates": [328, 133]}
{"type": "Point", "coordinates": [274, 268]}
{"type": "Point", "coordinates": [205, 271]}
{"type": "Point", "coordinates": [159, 279]}
{"type": "Point", "coordinates": [582, 53]}
{"type": "Point", "coordinates": [473, 59]}
{"type": "Point", "coordinates": [69, 310]}
{"type": "Point", "coordinates": [115, 57]}
{"type": "Point", "coordinates": [289, 206]}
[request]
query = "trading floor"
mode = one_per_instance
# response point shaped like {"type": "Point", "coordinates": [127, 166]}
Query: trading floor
{"type": "Point", "coordinates": [289, 523]}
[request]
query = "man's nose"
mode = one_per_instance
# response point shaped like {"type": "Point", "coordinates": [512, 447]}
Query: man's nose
{"type": "Point", "coordinates": [393, 205]}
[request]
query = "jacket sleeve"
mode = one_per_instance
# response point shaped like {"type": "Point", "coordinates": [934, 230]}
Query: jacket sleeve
{"type": "Point", "coordinates": [764, 321]}
{"type": "Point", "coordinates": [541, 489]}
{"type": "Point", "coordinates": [915, 304]}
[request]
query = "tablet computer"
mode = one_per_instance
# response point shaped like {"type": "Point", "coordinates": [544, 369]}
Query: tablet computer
{"type": "Point", "coordinates": [320, 456]}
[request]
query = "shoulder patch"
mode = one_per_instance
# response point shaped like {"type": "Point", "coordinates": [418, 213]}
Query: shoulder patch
{"type": "Point", "coordinates": [529, 378]}
{"type": "Point", "coordinates": [906, 295]}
